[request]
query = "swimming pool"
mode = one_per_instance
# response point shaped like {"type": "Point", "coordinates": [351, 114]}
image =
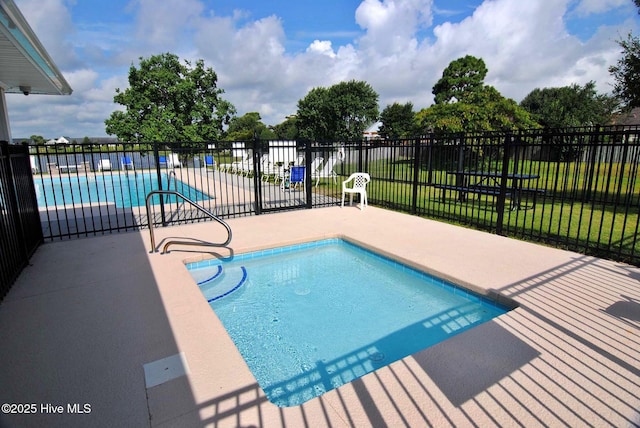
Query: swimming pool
{"type": "Point", "coordinates": [124, 190]}
{"type": "Point", "coordinates": [309, 318]}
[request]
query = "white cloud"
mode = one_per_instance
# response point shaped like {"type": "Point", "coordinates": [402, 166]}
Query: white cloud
{"type": "Point", "coordinates": [52, 23]}
{"type": "Point", "coordinates": [588, 7]}
{"type": "Point", "coordinates": [161, 24]}
{"type": "Point", "coordinates": [322, 47]}
{"type": "Point", "coordinates": [525, 44]}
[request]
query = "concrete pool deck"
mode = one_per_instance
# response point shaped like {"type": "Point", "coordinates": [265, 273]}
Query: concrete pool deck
{"type": "Point", "coordinates": [86, 320]}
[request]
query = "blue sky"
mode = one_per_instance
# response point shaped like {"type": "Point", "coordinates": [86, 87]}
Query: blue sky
{"type": "Point", "coordinates": [269, 54]}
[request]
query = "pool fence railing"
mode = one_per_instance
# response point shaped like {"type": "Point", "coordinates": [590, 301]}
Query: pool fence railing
{"type": "Point", "coordinates": [575, 188]}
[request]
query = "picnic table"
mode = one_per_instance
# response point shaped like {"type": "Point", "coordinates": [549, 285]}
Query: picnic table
{"type": "Point", "coordinates": [488, 183]}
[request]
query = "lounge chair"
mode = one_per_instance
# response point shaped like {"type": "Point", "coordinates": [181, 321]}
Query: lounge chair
{"type": "Point", "coordinates": [316, 164]}
{"type": "Point", "coordinates": [126, 163]}
{"type": "Point", "coordinates": [296, 176]}
{"type": "Point", "coordinates": [34, 164]}
{"type": "Point", "coordinates": [209, 162]}
{"type": "Point", "coordinates": [356, 183]}
{"type": "Point", "coordinates": [104, 165]}
{"type": "Point", "coordinates": [326, 171]}
{"type": "Point", "coordinates": [171, 161]}
{"type": "Point", "coordinates": [270, 169]}
{"type": "Point", "coordinates": [244, 167]}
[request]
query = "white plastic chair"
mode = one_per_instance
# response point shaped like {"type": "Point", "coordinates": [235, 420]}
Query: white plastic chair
{"type": "Point", "coordinates": [358, 182]}
{"type": "Point", "coordinates": [104, 165]}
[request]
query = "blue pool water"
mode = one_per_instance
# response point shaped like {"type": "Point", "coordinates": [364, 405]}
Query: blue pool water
{"type": "Point", "coordinates": [124, 190]}
{"type": "Point", "coordinates": [310, 318]}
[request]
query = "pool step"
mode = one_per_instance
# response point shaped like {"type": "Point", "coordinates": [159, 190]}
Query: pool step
{"type": "Point", "coordinates": [216, 283]}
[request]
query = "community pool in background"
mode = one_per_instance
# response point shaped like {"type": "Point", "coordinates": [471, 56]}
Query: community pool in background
{"type": "Point", "coordinates": [125, 190]}
{"type": "Point", "coordinates": [309, 318]}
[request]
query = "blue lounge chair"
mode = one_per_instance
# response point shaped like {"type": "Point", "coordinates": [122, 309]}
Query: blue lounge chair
{"type": "Point", "coordinates": [209, 162]}
{"type": "Point", "coordinates": [296, 176]}
{"type": "Point", "coordinates": [126, 163]}
{"type": "Point", "coordinates": [162, 160]}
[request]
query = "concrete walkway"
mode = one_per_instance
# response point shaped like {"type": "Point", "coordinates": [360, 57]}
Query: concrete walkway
{"type": "Point", "coordinates": [99, 332]}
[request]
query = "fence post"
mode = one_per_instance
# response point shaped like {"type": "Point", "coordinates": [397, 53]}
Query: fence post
{"type": "Point", "coordinates": [503, 184]}
{"type": "Point", "coordinates": [156, 157]}
{"type": "Point", "coordinates": [416, 176]}
{"type": "Point", "coordinates": [308, 182]}
{"type": "Point", "coordinates": [257, 172]}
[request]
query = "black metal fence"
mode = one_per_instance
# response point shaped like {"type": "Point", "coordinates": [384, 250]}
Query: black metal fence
{"type": "Point", "coordinates": [576, 189]}
{"type": "Point", "coordinates": [93, 189]}
{"type": "Point", "coordinates": [20, 231]}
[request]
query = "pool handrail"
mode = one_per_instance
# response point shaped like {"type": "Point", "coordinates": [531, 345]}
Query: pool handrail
{"type": "Point", "coordinates": [198, 207]}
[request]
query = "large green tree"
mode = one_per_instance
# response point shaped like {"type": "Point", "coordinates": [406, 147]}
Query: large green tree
{"type": "Point", "coordinates": [460, 80]}
{"type": "Point", "coordinates": [486, 110]}
{"type": "Point", "coordinates": [170, 101]}
{"type": "Point", "coordinates": [463, 103]}
{"type": "Point", "coordinates": [626, 72]}
{"type": "Point", "coordinates": [247, 127]}
{"type": "Point", "coordinates": [569, 106]}
{"type": "Point", "coordinates": [341, 112]}
{"type": "Point", "coordinates": [397, 121]}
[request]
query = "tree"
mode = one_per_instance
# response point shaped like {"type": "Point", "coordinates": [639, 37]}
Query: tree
{"type": "Point", "coordinates": [569, 106]}
{"type": "Point", "coordinates": [464, 103]}
{"type": "Point", "coordinates": [626, 72]}
{"type": "Point", "coordinates": [487, 110]}
{"type": "Point", "coordinates": [460, 80]}
{"type": "Point", "coordinates": [287, 130]}
{"type": "Point", "coordinates": [38, 139]}
{"type": "Point", "coordinates": [170, 101]}
{"type": "Point", "coordinates": [247, 127]}
{"type": "Point", "coordinates": [397, 121]}
{"type": "Point", "coordinates": [341, 112]}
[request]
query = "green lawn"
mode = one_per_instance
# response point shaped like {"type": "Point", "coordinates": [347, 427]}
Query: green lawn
{"type": "Point", "coordinates": [589, 211]}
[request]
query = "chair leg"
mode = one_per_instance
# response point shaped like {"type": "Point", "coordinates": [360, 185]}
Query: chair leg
{"type": "Point", "coordinates": [342, 206]}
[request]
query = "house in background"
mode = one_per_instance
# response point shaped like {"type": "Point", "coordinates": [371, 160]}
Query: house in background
{"type": "Point", "coordinates": [631, 118]}
{"type": "Point", "coordinates": [25, 66]}
{"type": "Point", "coordinates": [61, 140]}
{"type": "Point", "coordinates": [371, 133]}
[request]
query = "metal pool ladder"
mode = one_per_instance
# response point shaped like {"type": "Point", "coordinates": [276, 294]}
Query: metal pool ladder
{"type": "Point", "coordinates": [195, 205]}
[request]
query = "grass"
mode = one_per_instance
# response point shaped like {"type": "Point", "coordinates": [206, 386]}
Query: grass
{"type": "Point", "coordinates": [583, 208]}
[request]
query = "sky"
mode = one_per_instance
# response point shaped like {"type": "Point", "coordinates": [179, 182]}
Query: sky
{"type": "Point", "coordinates": [269, 54]}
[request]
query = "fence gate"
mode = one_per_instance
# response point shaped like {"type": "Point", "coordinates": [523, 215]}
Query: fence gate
{"type": "Point", "coordinates": [281, 176]}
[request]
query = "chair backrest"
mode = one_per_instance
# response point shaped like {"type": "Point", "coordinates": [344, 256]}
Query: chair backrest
{"type": "Point", "coordinates": [297, 174]}
{"type": "Point", "coordinates": [162, 159]}
{"type": "Point", "coordinates": [316, 163]}
{"type": "Point", "coordinates": [360, 180]}
{"type": "Point", "coordinates": [104, 163]}
{"type": "Point", "coordinates": [208, 160]}
{"type": "Point", "coordinates": [126, 160]}
{"type": "Point", "coordinates": [328, 167]}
